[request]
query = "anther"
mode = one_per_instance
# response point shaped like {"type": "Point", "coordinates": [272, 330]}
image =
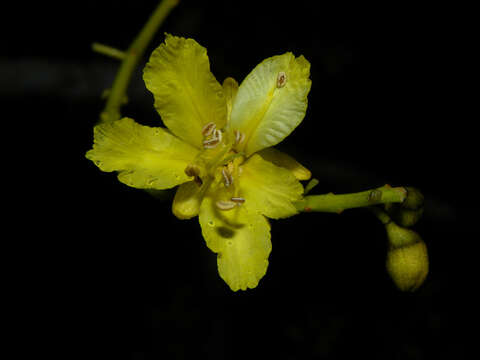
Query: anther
{"type": "Point", "coordinates": [208, 129]}
{"type": "Point", "coordinates": [198, 180]}
{"type": "Point", "coordinates": [238, 200]}
{"type": "Point", "coordinates": [214, 140]}
{"type": "Point", "coordinates": [225, 205]}
{"type": "Point", "coordinates": [281, 79]}
{"type": "Point", "coordinates": [192, 170]}
{"type": "Point", "coordinates": [227, 176]}
{"type": "Point", "coordinates": [217, 134]}
{"type": "Point", "coordinates": [239, 136]}
{"type": "Point", "coordinates": [211, 143]}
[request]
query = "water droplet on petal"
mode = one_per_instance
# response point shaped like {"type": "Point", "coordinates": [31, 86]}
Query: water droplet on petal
{"type": "Point", "coordinates": [211, 223]}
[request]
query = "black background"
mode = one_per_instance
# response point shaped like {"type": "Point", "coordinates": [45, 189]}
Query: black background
{"type": "Point", "coordinates": [118, 276]}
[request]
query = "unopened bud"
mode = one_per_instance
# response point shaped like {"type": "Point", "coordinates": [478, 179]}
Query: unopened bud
{"type": "Point", "coordinates": [410, 211]}
{"type": "Point", "coordinates": [407, 217]}
{"type": "Point", "coordinates": [414, 200]}
{"type": "Point", "coordinates": [407, 258]}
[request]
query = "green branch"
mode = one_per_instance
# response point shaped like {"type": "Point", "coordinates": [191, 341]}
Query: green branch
{"type": "Point", "coordinates": [337, 203]}
{"type": "Point", "coordinates": [130, 59]}
{"type": "Point", "coordinates": [108, 51]}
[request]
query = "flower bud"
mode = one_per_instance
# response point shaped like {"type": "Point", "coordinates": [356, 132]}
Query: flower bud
{"type": "Point", "coordinates": [407, 258]}
{"type": "Point", "coordinates": [414, 200]}
{"type": "Point", "coordinates": [407, 217]}
{"type": "Point", "coordinates": [410, 211]}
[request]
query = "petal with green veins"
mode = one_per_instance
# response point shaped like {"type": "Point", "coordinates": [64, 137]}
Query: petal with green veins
{"type": "Point", "coordinates": [266, 109]}
{"type": "Point", "coordinates": [268, 188]}
{"type": "Point", "coordinates": [187, 95]}
{"type": "Point", "coordinates": [145, 157]}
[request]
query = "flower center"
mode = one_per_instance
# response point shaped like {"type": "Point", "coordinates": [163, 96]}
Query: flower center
{"type": "Point", "coordinates": [218, 165]}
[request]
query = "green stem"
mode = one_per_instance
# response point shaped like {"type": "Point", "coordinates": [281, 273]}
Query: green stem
{"type": "Point", "coordinates": [337, 203]}
{"type": "Point", "coordinates": [111, 111]}
{"type": "Point", "coordinates": [108, 51]}
{"type": "Point", "coordinates": [381, 215]}
{"type": "Point", "coordinates": [311, 184]}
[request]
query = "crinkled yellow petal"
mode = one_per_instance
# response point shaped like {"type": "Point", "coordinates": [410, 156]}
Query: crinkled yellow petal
{"type": "Point", "coordinates": [271, 101]}
{"type": "Point", "coordinates": [268, 188]}
{"type": "Point", "coordinates": [144, 157]}
{"type": "Point", "coordinates": [241, 238]}
{"type": "Point", "coordinates": [187, 95]}
{"type": "Point", "coordinates": [187, 200]}
{"type": "Point", "coordinates": [281, 159]}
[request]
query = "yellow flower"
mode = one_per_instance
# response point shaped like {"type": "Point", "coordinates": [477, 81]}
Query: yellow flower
{"type": "Point", "coordinates": [218, 148]}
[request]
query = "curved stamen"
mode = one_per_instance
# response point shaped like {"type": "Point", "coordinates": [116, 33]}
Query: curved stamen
{"type": "Point", "coordinates": [217, 134]}
{"type": "Point", "coordinates": [238, 200]}
{"type": "Point", "coordinates": [192, 170]}
{"type": "Point", "coordinates": [211, 143]}
{"type": "Point", "coordinates": [227, 176]}
{"type": "Point", "coordinates": [214, 140]}
{"type": "Point", "coordinates": [225, 205]}
{"type": "Point", "coordinates": [239, 136]}
{"type": "Point", "coordinates": [208, 129]}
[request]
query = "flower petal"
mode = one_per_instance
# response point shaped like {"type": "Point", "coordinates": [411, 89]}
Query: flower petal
{"type": "Point", "coordinates": [281, 159]}
{"type": "Point", "coordinates": [241, 237]}
{"type": "Point", "coordinates": [271, 102]}
{"type": "Point", "coordinates": [187, 200]}
{"type": "Point", "coordinates": [187, 95]}
{"type": "Point", "coordinates": [268, 188]}
{"type": "Point", "coordinates": [145, 157]}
